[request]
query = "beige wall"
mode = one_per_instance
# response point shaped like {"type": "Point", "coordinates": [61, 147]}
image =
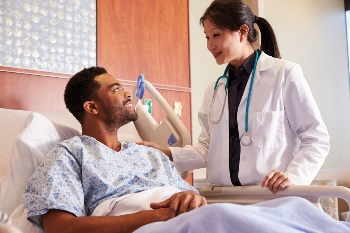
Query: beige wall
{"type": "Point", "coordinates": [203, 66]}
{"type": "Point", "coordinates": [311, 33]}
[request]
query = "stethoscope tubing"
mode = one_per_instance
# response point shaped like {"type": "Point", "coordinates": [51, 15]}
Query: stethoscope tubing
{"type": "Point", "coordinates": [246, 134]}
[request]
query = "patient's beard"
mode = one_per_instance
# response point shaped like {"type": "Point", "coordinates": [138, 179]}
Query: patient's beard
{"type": "Point", "coordinates": [117, 116]}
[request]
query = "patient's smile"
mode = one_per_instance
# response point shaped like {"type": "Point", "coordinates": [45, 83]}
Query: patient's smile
{"type": "Point", "coordinates": [128, 104]}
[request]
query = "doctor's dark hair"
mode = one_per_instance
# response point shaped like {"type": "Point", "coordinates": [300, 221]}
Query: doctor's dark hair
{"type": "Point", "coordinates": [232, 14]}
{"type": "Point", "coordinates": [80, 88]}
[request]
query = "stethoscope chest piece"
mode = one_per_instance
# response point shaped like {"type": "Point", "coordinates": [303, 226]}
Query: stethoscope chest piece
{"type": "Point", "coordinates": [246, 139]}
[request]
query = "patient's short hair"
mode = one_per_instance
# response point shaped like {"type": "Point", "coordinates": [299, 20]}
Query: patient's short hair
{"type": "Point", "coordinates": [80, 88]}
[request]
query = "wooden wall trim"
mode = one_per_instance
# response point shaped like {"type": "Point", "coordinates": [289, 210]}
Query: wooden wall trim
{"type": "Point", "coordinates": [19, 71]}
{"type": "Point", "coordinates": [33, 72]}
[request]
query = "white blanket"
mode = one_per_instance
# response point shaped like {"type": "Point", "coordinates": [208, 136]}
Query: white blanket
{"type": "Point", "coordinates": [287, 214]}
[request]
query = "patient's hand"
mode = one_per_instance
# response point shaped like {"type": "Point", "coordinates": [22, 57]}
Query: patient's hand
{"type": "Point", "coordinates": [150, 144]}
{"type": "Point", "coordinates": [165, 150]}
{"type": "Point", "coordinates": [181, 202]}
{"type": "Point", "coordinates": [276, 181]}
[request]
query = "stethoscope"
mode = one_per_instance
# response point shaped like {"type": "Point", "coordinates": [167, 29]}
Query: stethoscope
{"type": "Point", "coordinates": [245, 138]}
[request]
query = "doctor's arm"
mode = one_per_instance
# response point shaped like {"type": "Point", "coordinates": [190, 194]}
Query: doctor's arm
{"type": "Point", "coordinates": [305, 120]}
{"type": "Point", "coordinates": [193, 157]}
{"type": "Point", "coordinates": [165, 150]}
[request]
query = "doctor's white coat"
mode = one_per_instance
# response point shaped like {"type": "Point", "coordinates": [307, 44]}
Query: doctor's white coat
{"type": "Point", "coordinates": [284, 121]}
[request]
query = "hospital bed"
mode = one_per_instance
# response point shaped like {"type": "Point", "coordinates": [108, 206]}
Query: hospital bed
{"type": "Point", "coordinates": [26, 136]}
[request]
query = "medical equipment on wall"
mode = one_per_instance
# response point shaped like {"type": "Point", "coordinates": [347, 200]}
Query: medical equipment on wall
{"type": "Point", "coordinates": [170, 132]}
{"type": "Point", "coordinates": [245, 138]}
{"type": "Point", "coordinates": [140, 87]}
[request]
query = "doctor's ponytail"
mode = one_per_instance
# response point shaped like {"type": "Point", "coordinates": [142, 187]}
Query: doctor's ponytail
{"type": "Point", "coordinates": [268, 39]}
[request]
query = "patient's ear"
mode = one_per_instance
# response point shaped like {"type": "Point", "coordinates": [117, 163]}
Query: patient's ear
{"type": "Point", "coordinates": [90, 107]}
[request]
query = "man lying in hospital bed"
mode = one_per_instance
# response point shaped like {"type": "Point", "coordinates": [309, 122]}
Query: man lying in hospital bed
{"type": "Point", "coordinates": [290, 215]}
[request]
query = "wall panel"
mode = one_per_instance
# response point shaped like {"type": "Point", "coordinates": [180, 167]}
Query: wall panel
{"type": "Point", "coordinates": [31, 90]}
{"type": "Point", "coordinates": [148, 36]}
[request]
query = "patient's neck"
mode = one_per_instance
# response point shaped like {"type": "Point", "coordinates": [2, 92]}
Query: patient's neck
{"type": "Point", "coordinates": [102, 134]}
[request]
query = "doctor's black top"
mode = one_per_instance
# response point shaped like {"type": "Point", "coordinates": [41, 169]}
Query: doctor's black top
{"type": "Point", "coordinates": [237, 83]}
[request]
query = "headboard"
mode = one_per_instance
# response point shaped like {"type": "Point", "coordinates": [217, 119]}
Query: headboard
{"type": "Point", "coordinates": [31, 90]}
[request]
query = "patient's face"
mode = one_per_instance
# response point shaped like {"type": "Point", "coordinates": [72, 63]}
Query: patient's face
{"type": "Point", "coordinates": [114, 103]}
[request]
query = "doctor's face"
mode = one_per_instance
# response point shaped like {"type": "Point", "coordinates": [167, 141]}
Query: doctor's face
{"type": "Point", "coordinates": [114, 103]}
{"type": "Point", "coordinates": [225, 45]}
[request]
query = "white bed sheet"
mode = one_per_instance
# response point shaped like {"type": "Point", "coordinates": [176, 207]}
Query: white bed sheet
{"type": "Point", "coordinates": [286, 214]}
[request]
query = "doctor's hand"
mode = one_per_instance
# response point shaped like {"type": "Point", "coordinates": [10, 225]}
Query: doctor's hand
{"type": "Point", "coordinates": [181, 202]}
{"type": "Point", "coordinates": [165, 150]}
{"type": "Point", "coordinates": [276, 181]}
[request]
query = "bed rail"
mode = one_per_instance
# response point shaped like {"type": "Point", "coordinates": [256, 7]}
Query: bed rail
{"type": "Point", "coordinates": [255, 194]}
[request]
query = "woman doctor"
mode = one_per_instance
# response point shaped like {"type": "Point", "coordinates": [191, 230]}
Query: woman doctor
{"type": "Point", "coordinates": [260, 122]}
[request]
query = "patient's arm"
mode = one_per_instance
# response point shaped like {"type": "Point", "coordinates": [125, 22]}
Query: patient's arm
{"type": "Point", "coordinates": [165, 150]}
{"type": "Point", "coordinates": [62, 221]}
{"type": "Point", "coordinates": [57, 221]}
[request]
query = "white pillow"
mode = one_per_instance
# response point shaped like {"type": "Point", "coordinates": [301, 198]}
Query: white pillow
{"type": "Point", "coordinates": [39, 135]}
{"type": "Point", "coordinates": [11, 125]}
{"type": "Point", "coordinates": [63, 117]}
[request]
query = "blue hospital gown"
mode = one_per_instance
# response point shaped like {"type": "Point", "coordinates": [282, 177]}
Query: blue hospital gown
{"type": "Point", "coordinates": [80, 173]}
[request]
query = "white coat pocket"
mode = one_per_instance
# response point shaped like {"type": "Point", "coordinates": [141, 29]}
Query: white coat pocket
{"type": "Point", "coordinates": [267, 129]}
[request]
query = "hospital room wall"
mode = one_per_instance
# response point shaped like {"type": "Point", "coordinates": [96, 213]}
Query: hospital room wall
{"type": "Point", "coordinates": [147, 37]}
{"type": "Point", "coordinates": [133, 37]}
{"type": "Point", "coordinates": [311, 33]}
{"type": "Point", "coordinates": [316, 39]}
